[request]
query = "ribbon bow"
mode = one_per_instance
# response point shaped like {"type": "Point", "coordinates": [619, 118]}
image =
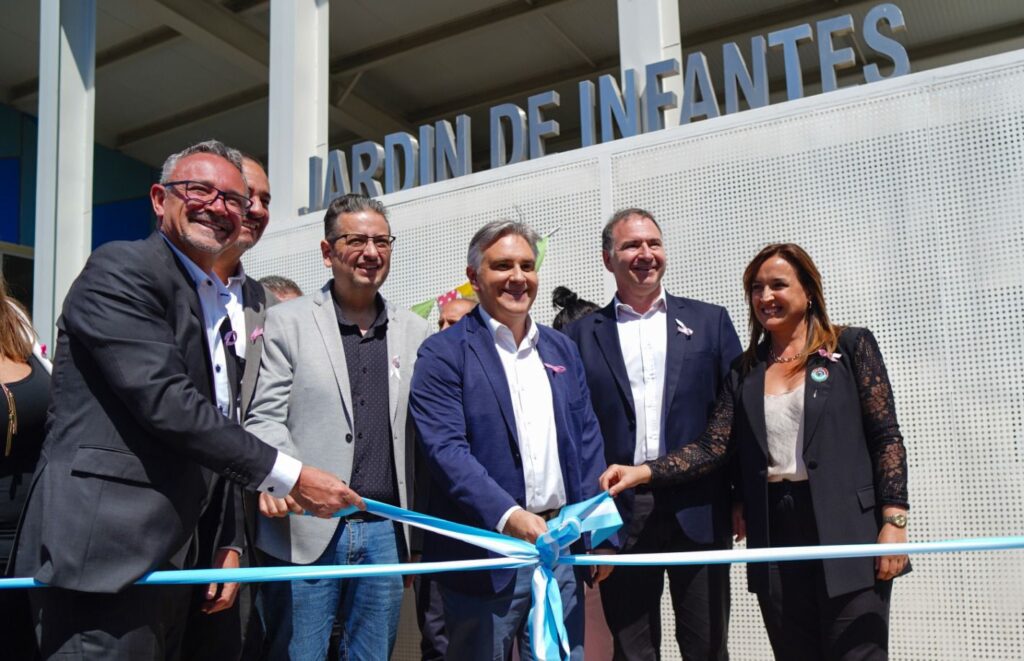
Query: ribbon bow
{"type": "Point", "coordinates": [834, 357]}
{"type": "Point", "coordinates": [683, 328]}
{"type": "Point", "coordinates": [256, 333]}
{"type": "Point", "coordinates": [230, 338]}
{"type": "Point", "coordinates": [557, 369]}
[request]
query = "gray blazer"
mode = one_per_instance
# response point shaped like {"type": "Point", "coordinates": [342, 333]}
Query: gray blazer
{"type": "Point", "coordinates": [303, 406]}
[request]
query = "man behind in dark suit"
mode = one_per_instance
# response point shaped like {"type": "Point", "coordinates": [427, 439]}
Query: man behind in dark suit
{"type": "Point", "coordinates": [654, 363]}
{"type": "Point", "coordinates": [219, 616]}
{"type": "Point", "coordinates": [139, 427]}
{"type": "Point", "coordinates": [505, 423]}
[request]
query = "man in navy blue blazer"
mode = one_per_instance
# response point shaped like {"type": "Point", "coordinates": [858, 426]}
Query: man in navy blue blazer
{"type": "Point", "coordinates": [654, 364]}
{"type": "Point", "coordinates": [508, 433]}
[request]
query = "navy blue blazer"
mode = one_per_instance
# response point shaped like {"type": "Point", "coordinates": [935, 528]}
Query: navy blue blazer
{"type": "Point", "coordinates": [695, 366]}
{"type": "Point", "coordinates": [462, 407]}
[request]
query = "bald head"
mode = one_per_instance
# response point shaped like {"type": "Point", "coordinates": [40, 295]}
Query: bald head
{"type": "Point", "coordinates": [453, 310]}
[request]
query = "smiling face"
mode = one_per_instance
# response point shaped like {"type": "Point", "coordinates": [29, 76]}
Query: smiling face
{"type": "Point", "coordinates": [637, 258]}
{"type": "Point", "coordinates": [200, 230]}
{"type": "Point", "coordinates": [506, 282]}
{"type": "Point", "coordinates": [258, 217]}
{"type": "Point", "coordinates": [358, 270]}
{"type": "Point", "coordinates": [778, 300]}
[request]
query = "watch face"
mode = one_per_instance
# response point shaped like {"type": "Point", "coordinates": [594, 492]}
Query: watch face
{"type": "Point", "coordinates": [898, 520]}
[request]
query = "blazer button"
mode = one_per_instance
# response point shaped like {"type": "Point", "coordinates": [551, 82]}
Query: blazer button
{"type": "Point", "coordinates": [348, 438]}
{"type": "Point", "coordinates": [812, 465]}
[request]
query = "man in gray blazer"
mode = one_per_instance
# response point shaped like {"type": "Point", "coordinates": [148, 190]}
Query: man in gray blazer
{"type": "Point", "coordinates": [334, 385]}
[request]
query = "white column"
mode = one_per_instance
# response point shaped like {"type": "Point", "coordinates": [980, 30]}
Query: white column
{"type": "Point", "coordinates": [299, 68]}
{"type": "Point", "coordinates": [648, 33]}
{"type": "Point", "coordinates": [67, 57]}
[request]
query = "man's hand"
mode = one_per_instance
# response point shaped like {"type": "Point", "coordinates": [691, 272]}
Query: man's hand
{"type": "Point", "coordinates": [617, 479]}
{"type": "Point", "coordinates": [322, 494]}
{"type": "Point", "coordinates": [525, 525]}
{"type": "Point", "coordinates": [739, 522]}
{"type": "Point", "coordinates": [221, 596]}
{"type": "Point", "coordinates": [407, 579]}
{"type": "Point", "coordinates": [601, 572]}
{"type": "Point", "coordinates": [277, 507]}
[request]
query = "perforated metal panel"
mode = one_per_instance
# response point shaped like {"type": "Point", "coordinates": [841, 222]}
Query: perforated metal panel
{"type": "Point", "coordinates": [909, 195]}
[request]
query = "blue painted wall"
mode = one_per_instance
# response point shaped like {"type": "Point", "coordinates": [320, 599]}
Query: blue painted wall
{"type": "Point", "coordinates": [120, 187]}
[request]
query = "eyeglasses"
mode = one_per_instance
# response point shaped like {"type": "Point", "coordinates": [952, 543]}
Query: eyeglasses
{"type": "Point", "coordinates": [381, 242]}
{"type": "Point", "coordinates": [198, 191]}
{"type": "Point", "coordinates": [12, 420]}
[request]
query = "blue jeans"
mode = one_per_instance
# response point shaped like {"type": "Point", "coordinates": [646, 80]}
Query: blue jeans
{"type": "Point", "coordinates": [484, 627]}
{"type": "Point", "coordinates": [298, 615]}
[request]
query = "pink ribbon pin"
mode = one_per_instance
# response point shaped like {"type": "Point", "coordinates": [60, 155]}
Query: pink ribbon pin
{"type": "Point", "coordinates": [834, 357]}
{"type": "Point", "coordinates": [557, 369]}
{"type": "Point", "coordinates": [256, 333]}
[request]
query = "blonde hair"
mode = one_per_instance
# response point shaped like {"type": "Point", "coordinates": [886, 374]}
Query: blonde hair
{"type": "Point", "coordinates": [16, 335]}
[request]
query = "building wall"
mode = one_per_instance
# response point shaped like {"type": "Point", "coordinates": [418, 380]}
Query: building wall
{"type": "Point", "coordinates": [909, 194]}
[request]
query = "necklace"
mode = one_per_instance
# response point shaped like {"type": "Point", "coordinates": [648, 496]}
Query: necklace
{"type": "Point", "coordinates": [778, 359]}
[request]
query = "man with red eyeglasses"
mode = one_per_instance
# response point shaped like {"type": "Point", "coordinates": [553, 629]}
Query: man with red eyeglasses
{"type": "Point", "coordinates": [142, 421]}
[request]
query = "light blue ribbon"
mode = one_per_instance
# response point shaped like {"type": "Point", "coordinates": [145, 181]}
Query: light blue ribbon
{"type": "Point", "coordinates": [596, 516]}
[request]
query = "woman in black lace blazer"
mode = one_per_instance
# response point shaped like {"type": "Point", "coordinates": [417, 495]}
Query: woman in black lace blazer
{"type": "Point", "coordinates": [809, 410]}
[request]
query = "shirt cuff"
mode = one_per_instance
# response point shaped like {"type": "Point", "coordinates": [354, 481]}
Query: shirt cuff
{"type": "Point", "coordinates": [505, 517]}
{"type": "Point", "coordinates": [282, 477]}
{"type": "Point", "coordinates": [236, 549]}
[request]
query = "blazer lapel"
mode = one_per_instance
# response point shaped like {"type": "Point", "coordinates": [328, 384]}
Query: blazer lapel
{"type": "Point", "coordinates": [820, 373]}
{"type": "Point", "coordinates": [676, 347]}
{"type": "Point", "coordinates": [327, 324]}
{"type": "Point", "coordinates": [255, 312]}
{"type": "Point", "coordinates": [607, 335]}
{"type": "Point", "coordinates": [191, 296]}
{"type": "Point", "coordinates": [396, 357]}
{"type": "Point", "coordinates": [481, 343]}
{"type": "Point", "coordinates": [753, 402]}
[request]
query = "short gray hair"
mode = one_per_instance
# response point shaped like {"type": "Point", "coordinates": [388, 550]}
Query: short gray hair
{"type": "Point", "coordinates": [493, 231]}
{"type": "Point", "coordinates": [215, 147]}
{"type": "Point", "coordinates": [607, 241]}
{"type": "Point", "coordinates": [351, 203]}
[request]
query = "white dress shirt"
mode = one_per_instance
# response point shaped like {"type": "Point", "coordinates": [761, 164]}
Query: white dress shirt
{"type": "Point", "coordinates": [213, 299]}
{"type": "Point", "coordinates": [643, 339]}
{"type": "Point", "coordinates": [534, 410]}
{"type": "Point", "coordinates": [236, 310]}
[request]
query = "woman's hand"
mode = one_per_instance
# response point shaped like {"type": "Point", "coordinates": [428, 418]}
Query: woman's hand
{"type": "Point", "coordinates": [618, 478]}
{"type": "Point", "coordinates": [889, 567]}
{"type": "Point", "coordinates": [739, 523]}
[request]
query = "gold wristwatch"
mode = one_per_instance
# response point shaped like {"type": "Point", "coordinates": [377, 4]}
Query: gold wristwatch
{"type": "Point", "coordinates": [898, 520]}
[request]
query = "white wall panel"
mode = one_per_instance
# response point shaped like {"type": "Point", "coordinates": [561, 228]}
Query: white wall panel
{"type": "Point", "coordinates": [909, 194]}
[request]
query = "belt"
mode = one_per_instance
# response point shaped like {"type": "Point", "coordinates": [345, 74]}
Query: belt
{"type": "Point", "coordinates": [547, 515]}
{"type": "Point", "coordinates": [363, 516]}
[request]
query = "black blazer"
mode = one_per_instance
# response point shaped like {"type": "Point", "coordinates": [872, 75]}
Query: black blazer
{"type": "Point", "coordinates": [133, 438]}
{"type": "Point", "coordinates": [695, 367]}
{"type": "Point", "coordinates": [844, 449]}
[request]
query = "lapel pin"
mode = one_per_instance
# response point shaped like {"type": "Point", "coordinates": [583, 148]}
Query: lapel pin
{"type": "Point", "coordinates": [557, 369]}
{"type": "Point", "coordinates": [819, 374]}
{"type": "Point", "coordinates": [256, 333]}
{"type": "Point", "coordinates": [682, 328]}
{"type": "Point", "coordinates": [833, 357]}
{"type": "Point", "coordinates": [230, 338]}
{"type": "Point", "coordinates": [396, 365]}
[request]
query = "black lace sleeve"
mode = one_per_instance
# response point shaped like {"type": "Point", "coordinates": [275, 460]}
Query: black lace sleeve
{"type": "Point", "coordinates": [696, 459]}
{"type": "Point", "coordinates": [878, 411]}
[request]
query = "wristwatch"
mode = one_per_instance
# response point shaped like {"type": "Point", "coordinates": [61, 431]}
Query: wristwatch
{"type": "Point", "coordinates": [898, 520]}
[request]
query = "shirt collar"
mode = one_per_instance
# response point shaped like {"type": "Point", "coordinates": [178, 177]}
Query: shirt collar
{"type": "Point", "coordinates": [238, 278]}
{"type": "Point", "coordinates": [380, 320]}
{"type": "Point", "coordinates": [197, 274]}
{"type": "Point", "coordinates": [503, 336]}
{"type": "Point", "coordinates": [624, 310]}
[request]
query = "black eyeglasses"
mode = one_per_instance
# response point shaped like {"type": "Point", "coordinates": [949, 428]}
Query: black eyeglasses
{"type": "Point", "coordinates": [198, 191]}
{"type": "Point", "coordinates": [381, 242]}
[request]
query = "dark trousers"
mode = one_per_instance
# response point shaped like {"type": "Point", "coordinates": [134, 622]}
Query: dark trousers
{"type": "Point", "coordinates": [140, 623]}
{"type": "Point", "coordinates": [803, 622]}
{"type": "Point", "coordinates": [217, 636]}
{"type": "Point", "coordinates": [430, 617]}
{"type": "Point", "coordinates": [631, 596]}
